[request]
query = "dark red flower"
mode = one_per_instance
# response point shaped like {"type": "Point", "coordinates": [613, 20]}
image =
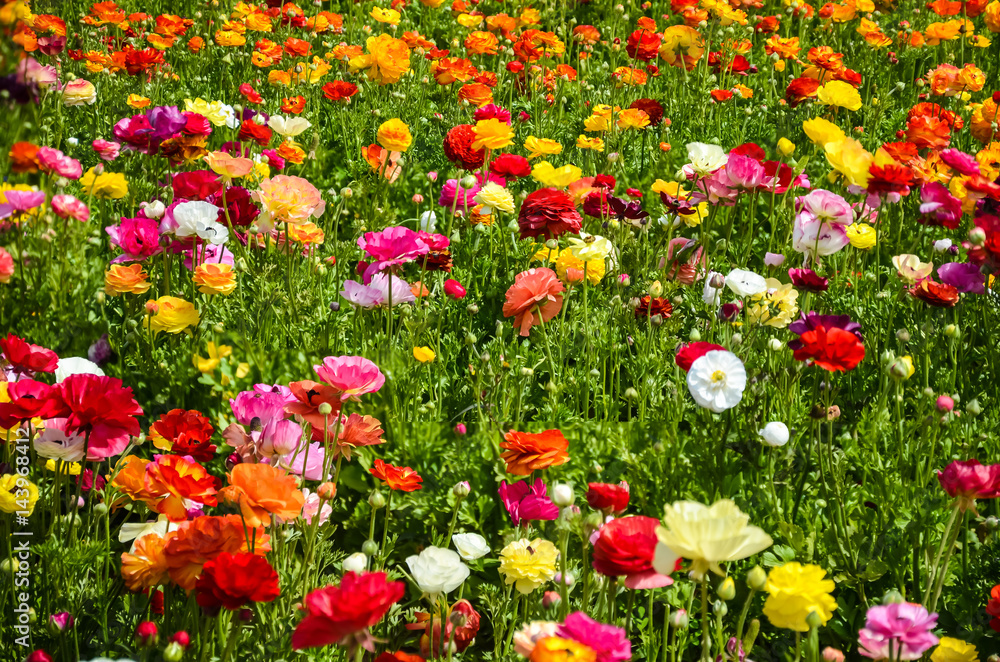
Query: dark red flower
{"type": "Point", "coordinates": [801, 89]}
{"type": "Point", "coordinates": [625, 546]}
{"type": "Point", "coordinates": [834, 350]}
{"type": "Point", "coordinates": [196, 185]}
{"type": "Point", "coordinates": [548, 213]}
{"type": "Point", "coordinates": [240, 205]}
{"type": "Point", "coordinates": [399, 656]}
{"type": "Point", "coordinates": [688, 354]}
{"type": "Point", "coordinates": [184, 433]}
{"type": "Point", "coordinates": [250, 131]}
{"type": "Point", "coordinates": [342, 614]}
{"type": "Point", "coordinates": [890, 179]}
{"type": "Point", "coordinates": [25, 358]}
{"type": "Point", "coordinates": [30, 399]}
{"type": "Point", "coordinates": [607, 497]}
{"type": "Point", "coordinates": [458, 148]}
{"type": "Point", "coordinates": [940, 295]}
{"type": "Point", "coordinates": [651, 107]}
{"type": "Point", "coordinates": [101, 409]}
{"type": "Point", "coordinates": [650, 306]}
{"type": "Point", "coordinates": [510, 166]}
{"type": "Point", "coordinates": [235, 580]}
{"type": "Point", "coordinates": [993, 608]}
{"type": "Point", "coordinates": [809, 280]}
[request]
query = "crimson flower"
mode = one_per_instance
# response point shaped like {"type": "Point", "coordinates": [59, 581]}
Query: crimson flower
{"type": "Point", "coordinates": [968, 480]}
{"type": "Point", "coordinates": [548, 213]}
{"type": "Point", "coordinates": [103, 410]}
{"type": "Point", "coordinates": [342, 614]}
{"type": "Point", "coordinates": [458, 148]}
{"type": "Point", "coordinates": [993, 608]}
{"type": "Point", "coordinates": [235, 580]}
{"type": "Point", "coordinates": [510, 166]}
{"type": "Point", "coordinates": [626, 546]}
{"type": "Point", "coordinates": [688, 354]}
{"type": "Point", "coordinates": [25, 358]}
{"type": "Point", "coordinates": [607, 497]}
{"type": "Point", "coordinates": [30, 399]}
{"type": "Point", "coordinates": [184, 433]}
{"type": "Point", "coordinates": [807, 279]}
{"type": "Point", "coordinates": [939, 295]}
{"type": "Point", "coordinates": [834, 350]}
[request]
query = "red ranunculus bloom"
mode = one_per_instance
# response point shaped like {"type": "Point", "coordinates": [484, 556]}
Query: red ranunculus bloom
{"type": "Point", "coordinates": [342, 614]}
{"type": "Point", "coordinates": [807, 279]}
{"type": "Point", "coordinates": [196, 185]}
{"type": "Point", "coordinates": [650, 306]}
{"type": "Point", "coordinates": [397, 478]}
{"type": "Point", "coordinates": [993, 608]}
{"type": "Point", "coordinates": [250, 94]}
{"type": "Point", "coordinates": [510, 166]}
{"type": "Point", "coordinates": [30, 399]}
{"type": "Point", "coordinates": [968, 480]}
{"type": "Point", "coordinates": [339, 90]}
{"type": "Point", "coordinates": [834, 350]}
{"type": "Point", "coordinates": [184, 433]}
{"type": "Point", "coordinates": [890, 179]}
{"type": "Point", "coordinates": [801, 89]}
{"type": "Point", "coordinates": [643, 45]}
{"type": "Point", "coordinates": [688, 354]}
{"type": "Point", "coordinates": [458, 148]}
{"type": "Point", "coordinates": [103, 410]}
{"type": "Point", "coordinates": [940, 295]}
{"type": "Point", "coordinates": [625, 546]}
{"type": "Point", "coordinates": [235, 580]}
{"type": "Point", "coordinates": [399, 656]}
{"type": "Point", "coordinates": [607, 497]}
{"type": "Point", "coordinates": [25, 358]}
{"type": "Point", "coordinates": [250, 131]}
{"type": "Point", "coordinates": [548, 213]}
{"type": "Point", "coordinates": [651, 107]}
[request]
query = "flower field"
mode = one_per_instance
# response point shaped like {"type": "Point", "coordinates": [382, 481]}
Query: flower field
{"type": "Point", "coordinates": [499, 330]}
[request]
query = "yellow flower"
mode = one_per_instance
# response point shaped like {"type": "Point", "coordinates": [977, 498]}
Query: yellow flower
{"type": "Point", "coordinates": [839, 93]}
{"type": "Point", "coordinates": [138, 101]}
{"type": "Point", "coordinates": [492, 134]}
{"type": "Point", "coordinates": [545, 254]}
{"type": "Point", "coordinates": [469, 20]}
{"type": "Point", "coordinates": [493, 197]}
{"type": "Point", "coordinates": [527, 564]}
{"type": "Point", "coordinates": [633, 118]}
{"type": "Point", "coordinates": [548, 175]}
{"type": "Point", "coordinates": [557, 649]}
{"type": "Point", "coordinates": [173, 315]}
{"type": "Point", "coordinates": [822, 131]}
{"type": "Point", "coordinates": [214, 111]}
{"type": "Point", "coordinates": [68, 468]}
{"type": "Point", "coordinates": [776, 307]}
{"type": "Point", "coordinates": [386, 61]}
{"type": "Point", "coordinates": [850, 159]}
{"type": "Point", "coordinates": [861, 236]}
{"type": "Point", "coordinates": [596, 144]}
{"type": "Point", "coordinates": [708, 535]}
{"type": "Point", "coordinates": [394, 135]}
{"type": "Point", "coordinates": [107, 185]}
{"type": "Point", "coordinates": [786, 147]}
{"type": "Point", "coordinates": [541, 146]}
{"type": "Point", "coordinates": [390, 16]}
{"type": "Point", "coordinates": [126, 279]}
{"type": "Point", "coordinates": [19, 495]}
{"type": "Point", "coordinates": [567, 261]}
{"type": "Point", "coordinates": [910, 269]}
{"type": "Point", "coordinates": [215, 356]}
{"type": "Point", "coordinates": [423, 354]}
{"type": "Point", "coordinates": [794, 592]}
{"type": "Point", "coordinates": [214, 278]}
{"type": "Point", "coordinates": [950, 649]}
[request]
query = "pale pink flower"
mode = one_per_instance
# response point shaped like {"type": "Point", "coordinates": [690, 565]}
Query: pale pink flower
{"type": "Point", "coordinates": [288, 199]}
{"type": "Point", "coordinates": [106, 149]}
{"type": "Point", "coordinates": [826, 206]}
{"type": "Point", "coordinates": [52, 160]}
{"type": "Point", "coordinates": [67, 206]}
{"type": "Point", "coordinates": [353, 376]}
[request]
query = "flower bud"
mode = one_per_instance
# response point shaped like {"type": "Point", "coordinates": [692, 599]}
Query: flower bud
{"type": "Point", "coordinates": [562, 495]}
{"type": "Point", "coordinates": [462, 489]}
{"type": "Point", "coordinates": [460, 429]}
{"type": "Point", "coordinates": [726, 589]}
{"type": "Point", "coordinates": [369, 548]}
{"type": "Point", "coordinates": [814, 619]}
{"type": "Point", "coordinates": [679, 619]}
{"type": "Point", "coordinates": [892, 596]}
{"type": "Point", "coordinates": [977, 236]}
{"type": "Point", "coordinates": [356, 562]}
{"type": "Point", "coordinates": [695, 335]}
{"type": "Point", "coordinates": [951, 331]}
{"type": "Point", "coordinates": [631, 394]}
{"type": "Point", "coordinates": [551, 599]}
{"type": "Point", "coordinates": [174, 652]}
{"type": "Point", "coordinates": [60, 622]}
{"type": "Point", "coordinates": [757, 578]}
{"type": "Point", "coordinates": [974, 408]}
{"type": "Point", "coordinates": [325, 409]}
{"type": "Point", "coordinates": [903, 335]}
{"type": "Point", "coordinates": [468, 182]}
{"type": "Point", "coordinates": [944, 404]}
{"type": "Point", "coordinates": [327, 491]}
{"type": "Point", "coordinates": [146, 634]}
{"type": "Point", "coordinates": [832, 655]}
{"type": "Point", "coordinates": [376, 500]}
{"type": "Point", "coordinates": [182, 638]}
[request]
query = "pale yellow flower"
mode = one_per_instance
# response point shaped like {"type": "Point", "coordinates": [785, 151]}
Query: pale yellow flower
{"type": "Point", "coordinates": [527, 564]}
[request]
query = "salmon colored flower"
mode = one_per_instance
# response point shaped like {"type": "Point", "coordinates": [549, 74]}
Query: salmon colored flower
{"type": "Point", "coordinates": [262, 491]}
{"type": "Point", "coordinates": [526, 452]}
{"type": "Point", "coordinates": [228, 166]}
{"type": "Point", "coordinates": [288, 199]}
{"type": "Point", "coordinates": [403, 479]}
{"type": "Point", "coordinates": [534, 298]}
{"type": "Point", "coordinates": [126, 279]}
{"type": "Point", "coordinates": [214, 278]}
{"type": "Point", "coordinates": [145, 565]}
{"type": "Point", "coordinates": [351, 376]}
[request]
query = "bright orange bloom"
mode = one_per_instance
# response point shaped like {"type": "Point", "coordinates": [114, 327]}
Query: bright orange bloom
{"type": "Point", "coordinates": [476, 94]}
{"type": "Point", "coordinates": [131, 480]}
{"type": "Point", "coordinates": [404, 479]}
{"type": "Point", "coordinates": [214, 278]}
{"type": "Point", "coordinates": [126, 279]}
{"type": "Point", "coordinates": [297, 47]}
{"type": "Point", "coordinates": [382, 161]}
{"type": "Point", "coordinates": [202, 539]}
{"type": "Point", "coordinates": [417, 40]}
{"type": "Point", "coordinates": [481, 43]}
{"type": "Point", "coordinates": [526, 452]}
{"type": "Point", "coordinates": [180, 479]}
{"type": "Point", "coordinates": [294, 105]}
{"type": "Point", "coordinates": [449, 70]}
{"type": "Point", "coordinates": [24, 157]}
{"type": "Point", "coordinates": [195, 44]}
{"type": "Point", "coordinates": [146, 565]}
{"type": "Point", "coordinates": [262, 490]}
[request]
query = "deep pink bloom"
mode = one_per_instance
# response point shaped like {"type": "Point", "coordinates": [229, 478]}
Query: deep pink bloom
{"type": "Point", "coordinates": [108, 150]}
{"type": "Point", "coordinates": [196, 185]}
{"type": "Point", "coordinates": [715, 189]}
{"type": "Point", "coordinates": [897, 631]}
{"type": "Point", "coordinates": [609, 642]}
{"type": "Point", "coordinates": [25, 358]}
{"type": "Point", "coordinates": [807, 279]}
{"type": "Point", "coordinates": [491, 111]}
{"type": "Point", "coordinates": [67, 206]}
{"type": "Point", "coordinates": [52, 160]}
{"type": "Point", "coordinates": [960, 161]}
{"type": "Point", "coordinates": [940, 206]}
{"type": "Point", "coordinates": [353, 376]}
{"type": "Point", "coordinates": [963, 276]}
{"type": "Point", "coordinates": [138, 238]}
{"type": "Point", "coordinates": [454, 289]}
{"type": "Point", "coordinates": [265, 407]}
{"type": "Point", "coordinates": [391, 247]}
{"type": "Point", "coordinates": [30, 399]}
{"type": "Point", "coordinates": [146, 634]}
{"type": "Point", "coordinates": [452, 191]}
{"type": "Point", "coordinates": [744, 171]}
{"type": "Point", "coordinates": [968, 480]}
{"type": "Point", "coordinates": [526, 502]}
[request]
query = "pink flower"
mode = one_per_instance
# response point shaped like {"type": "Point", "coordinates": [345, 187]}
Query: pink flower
{"type": "Point", "coordinates": [359, 295]}
{"type": "Point", "coordinates": [527, 502]}
{"type": "Point", "coordinates": [303, 462]}
{"type": "Point", "coordinates": [353, 376]}
{"type": "Point", "coordinates": [715, 189]}
{"type": "Point", "coordinates": [21, 201]}
{"type": "Point", "coordinates": [249, 405]}
{"type": "Point", "coordinates": [744, 172]}
{"type": "Point", "coordinates": [811, 235]}
{"type": "Point", "coordinates": [139, 238]}
{"type": "Point", "coordinates": [394, 246]}
{"type": "Point", "coordinates": [313, 507]}
{"type": "Point", "coordinates": [288, 199]}
{"type": "Point", "coordinates": [454, 289]}
{"type": "Point", "coordinates": [897, 631]}
{"type": "Point", "coordinates": [945, 403]}
{"type": "Point", "coordinates": [392, 290]}
{"type": "Point", "coordinates": [52, 160]}
{"type": "Point", "coordinates": [108, 150]}
{"type": "Point", "coordinates": [452, 190]}
{"type": "Point", "coordinates": [492, 111]}
{"type": "Point", "coordinates": [30, 71]}
{"type": "Point", "coordinates": [963, 276]}
{"type": "Point", "coordinates": [6, 266]}
{"type": "Point", "coordinates": [938, 202]}
{"type": "Point", "coordinates": [960, 161]}
{"type": "Point", "coordinates": [968, 480]}
{"type": "Point", "coordinates": [774, 259]}
{"type": "Point", "coordinates": [826, 206]}
{"type": "Point", "coordinates": [67, 206]}
{"type": "Point", "coordinates": [609, 642]}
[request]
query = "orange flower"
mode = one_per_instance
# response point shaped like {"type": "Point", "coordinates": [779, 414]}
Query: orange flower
{"type": "Point", "coordinates": [358, 431]}
{"type": "Point", "coordinates": [214, 278]}
{"type": "Point", "coordinates": [146, 565]}
{"type": "Point", "coordinates": [297, 47]}
{"type": "Point", "coordinates": [181, 480]}
{"type": "Point", "coordinates": [202, 539]}
{"type": "Point", "coordinates": [682, 46]}
{"type": "Point", "coordinates": [535, 297]}
{"type": "Point", "coordinates": [294, 105]}
{"type": "Point", "coordinates": [195, 44]}
{"type": "Point", "coordinates": [261, 490]}
{"type": "Point", "coordinates": [306, 233]}
{"type": "Point", "coordinates": [404, 479]}
{"type": "Point", "coordinates": [417, 40]}
{"type": "Point", "coordinates": [386, 62]}
{"type": "Point", "coordinates": [383, 161]}
{"type": "Point", "coordinates": [481, 43]}
{"type": "Point", "coordinates": [126, 279]}
{"type": "Point", "coordinates": [227, 165]}
{"type": "Point", "coordinates": [448, 70]}
{"type": "Point", "coordinates": [24, 157]}
{"type": "Point", "coordinates": [131, 480]}
{"type": "Point", "coordinates": [928, 132]}
{"type": "Point", "coordinates": [476, 94]}
{"type": "Point", "coordinates": [527, 452]}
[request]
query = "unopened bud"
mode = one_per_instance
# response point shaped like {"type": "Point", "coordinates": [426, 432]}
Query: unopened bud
{"type": "Point", "coordinates": [757, 578]}
{"type": "Point", "coordinates": [376, 500]}
{"type": "Point", "coordinates": [726, 589]}
{"type": "Point", "coordinates": [679, 619]}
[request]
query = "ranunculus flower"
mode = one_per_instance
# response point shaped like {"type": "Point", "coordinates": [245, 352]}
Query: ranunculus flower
{"type": "Point", "coordinates": [897, 631]}
{"type": "Point", "coordinates": [437, 571]}
{"type": "Point", "coordinates": [352, 376]}
{"type": "Point", "coordinates": [236, 580]}
{"type": "Point", "coordinates": [716, 380]}
{"type": "Point", "coordinates": [67, 206]}
{"type": "Point", "coordinates": [525, 501]}
{"type": "Point", "coordinates": [342, 614]}
{"type": "Point", "coordinates": [470, 546]}
{"type": "Point", "coordinates": [626, 546]}
{"type": "Point", "coordinates": [534, 298]}
{"type": "Point", "coordinates": [79, 92]}
{"type": "Point", "coordinates": [611, 499]}
{"type": "Point", "coordinates": [968, 480]}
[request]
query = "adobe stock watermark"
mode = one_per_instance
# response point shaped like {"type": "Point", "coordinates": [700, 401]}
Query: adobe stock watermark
{"type": "Point", "coordinates": [21, 551]}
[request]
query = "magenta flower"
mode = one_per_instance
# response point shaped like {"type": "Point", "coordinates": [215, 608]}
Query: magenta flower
{"type": "Point", "coordinates": [807, 279]}
{"type": "Point", "coordinates": [609, 642]}
{"type": "Point", "coordinates": [353, 376]}
{"type": "Point", "coordinates": [108, 150]}
{"type": "Point", "coordinates": [744, 172]}
{"type": "Point", "coordinates": [715, 189]}
{"type": "Point", "coordinates": [138, 238]}
{"type": "Point", "coordinates": [526, 502]}
{"type": "Point", "coordinates": [938, 202]}
{"type": "Point", "coordinates": [811, 321]}
{"type": "Point", "coordinates": [898, 631]}
{"type": "Point", "coordinates": [265, 407]}
{"type": "Point", "coordinates": [21, 201]}
{"type": "Point", "coordinates": [67, 206]}
{"type": "Point", "coordinates": [491, 111]}
{"type": "Point", "coordinates": [960, 161]}
{"type": "Point", "coordinates": [963, 276]}
{"type": "Point", "coordinates": [452, 190]}
{"type": "Point", "coordinates": [391, 247]}
{"type": "Point", "coordinates": [52, 160]}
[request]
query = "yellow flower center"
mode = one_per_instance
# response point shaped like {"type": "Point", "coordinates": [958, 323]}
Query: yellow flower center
{"type": "Point", "coordinates": [718, 377]}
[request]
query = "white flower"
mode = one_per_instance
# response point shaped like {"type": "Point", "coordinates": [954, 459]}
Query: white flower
{"type": "Point", "coordinates": [716, 380]}
{"type": "Point", "coordinates": [200, 218]}
{"type": "Point", "coordinates": [470, 546]}
{"type": "Point", "coordinates": [230, 114]}
{"type": "Point", "coordinates": [55, 444]}
{"type": "Point", "coordinates": [774, 434]}
{"type": "Point", "coordinates": [290, 127]}
{"type": "Point", "coordinates": [705, 159]}
{"type": "Point", "coordinates": [437, 571]}
{"type": "Point", "coordinates": [746, 283]}
{"type": "Point", "coordinates": [590, 247]}
{"type": "Point", "coordinates": [74, 365]}
{"type": "Point", "coordinates": [493, 196]}
{"type": "Point", "coordinates": [356, 562]}
{"type": "Point", "coordinates": [941, 245]}
{"type": "Point", "coordinates": [153, 209]}
{"type": "Point", "coordinates": [562, 494]}
{"type": "Point", "coordinates": [137, 531]}
{"type": "Point", "coordinates": [428, 221]}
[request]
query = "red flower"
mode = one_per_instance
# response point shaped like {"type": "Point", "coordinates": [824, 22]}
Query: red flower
{"type": "Point", "coordinates": [831, 349]}
{"type": "Point", "coordinates": [196, 185]}
{"type": "Point", "coordinates": [137, 62]}
{"type": "Point", "coordinates": [458, 148]}
{"type": "Point", "coordinates": [454, 289]}
{"type": "Point", "coordinates": [688, 354]}
{"type": "Point", "coordinates": [397, 478]}
{"type": "Point", "coordinates": [30, 399]}
{"type": "Point", "coordinates": [643, 45]}
{"type": "Point", "coordinates": [968, 480]}
{"type": "Point", "coordinates": [940, 295]}
{"type": "Point", "coordinates": [250, 131]}
{"type": "Point", "coordinates": [753, 150]}
{"type": "Point", "coordinates": [101, 409]}
{"type": "Point", "coordinates": [185, 433]}
{"type": "Point", "coordinates": [250, 94]}
{"type": "Point", "coordinates": [993, 608]}
{"type": "Point", "coordinates": [339, 90]}
{"type": "Point", "coordinates": [625, 547]}
{"type": "Point", "coordinates": [652, 108]}
{"type": "Point", "coordinates": [801, 89]}
{"type": "Point", "coordinates": [721, 95]}
{"type": "Point", "coordinates": [650, 306]}
{"type": "Point", "coordinates": [807, 279]}
{"type": "Point", "coordinates": [548, 213]}
{"type": "Point", "coordinates": [293, 105]}
{"type": "Point", "coordinates": [235, 580]}
{"type": "Point", "coordinates": [607, 497]}
{"type": "Point", "coordinates": [510, 166]}
{"type": "Point", "coordinates": [890, 179]}
{"type": "Point", "coordinates": [342, 614]}
{"type": "Point", "coordinates": [26, 358]}
{"type": "Point", "coordinates": [461, 636]}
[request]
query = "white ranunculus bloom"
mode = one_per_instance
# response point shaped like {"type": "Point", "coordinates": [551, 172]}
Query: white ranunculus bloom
{"type": "Point", "coordinates": [745, 283]}
{"type": "Point", "coordinates": [774, 434]}
{"type": "Point", "coordinates": [75, 365]}
{"type": "Point", "coordinates": [589, 247]}
{"type": "Point", "coordinates": [428, 221]}
{"type": "Point", "coordinates": [716, 380]}
{"type": "Point", "coordinates": [437, 571]}
{"type": "Point", "coordinates": [356, 562]}
{"type": "Point", "coordinates": [705, 159]}
{"type": "Point", "coordinates": [470, 546]}
{"type": "Point", "coordinates": [201, 219]}
{"type": "Point", "coordinates": [153, 209]}
{"type": "Point", "coordinates": [136, 531]}
{"type": "Point", "coordinates": [55, 444]}
{"type": "Point", "coordinates": [288, 127]}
